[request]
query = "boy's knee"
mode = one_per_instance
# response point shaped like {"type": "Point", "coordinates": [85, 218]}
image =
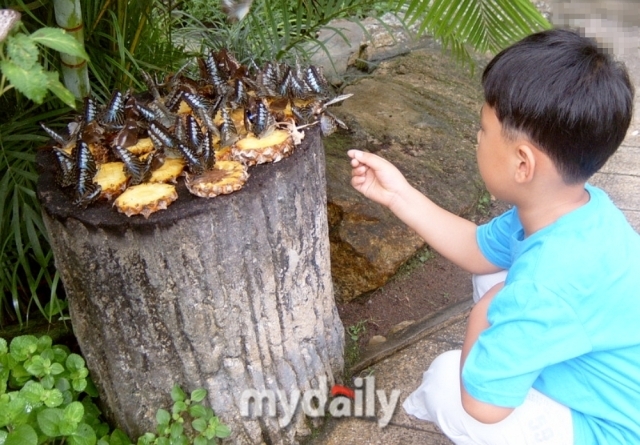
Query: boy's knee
{"type": "Point", "coordinates": [436, 398]}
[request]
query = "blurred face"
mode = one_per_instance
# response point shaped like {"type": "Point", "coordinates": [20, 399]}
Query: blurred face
{"type": "Point", "coordinates": [494, 154]}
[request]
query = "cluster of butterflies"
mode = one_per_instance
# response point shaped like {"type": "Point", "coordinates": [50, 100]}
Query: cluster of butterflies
{"type": "Point", "coordinates": [266, 97]}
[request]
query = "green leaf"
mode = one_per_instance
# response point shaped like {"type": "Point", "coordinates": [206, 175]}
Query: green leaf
{"type": "Point", "coordinates": [176, 430]}
{"type": "Point", "coordinates": [3, 436]}
{"type": "Point", "coordinates": [47, 354]}
{"type": "Point", "coordinates": [74, 362]}
{"type": "Point", "coordinates": [56, 369]}
{"type": "Point", "coordinates": [48, 381]}
{"type": "Point", "coordinates": [222, 431]}
{"type": "Point", "coordinates": [22, 435]}
{"type": "Point", "coordinates": [53, 398]}
{"type": "Point", "coordinates": [163, 417]}
{"type": "Point", "coordinates": [44, 343]}
{"type": "Point", "coordinates": [33, 392]}
{"type": "Point", "coordinates": [19, 376]}
{"type": "Point", "coordinates": [11, 410]}
{"type": "Point", "coordinates": [179, 407]}
{"type": "Point", "coordinates": [36, 366]}
{"type": "Point", "coordinates": [198, 411]}
{"type": "Point", "coordinates": [84, 435]}
{"type": "Point", "coordinates": [74, 412]}
{"type": "Point", "coordinates": [91, 388]}
{"type": "Point", "coordinates": [79, 384]}
{"type": "Point", "coordinates": [118, 437]}
{"type": "Point", "coordinates": [3, 346]}
{"type": "Point", "coordinates": [23, 346]}
{"type": "Point", "coordinates": [58, 39]}
{"type": "Point", "coordinates": [22, 51]}
{"type": "Point", "coordinates": [32, 83]}
{"type": "Point", "coordinates": [199, 425]}
{"type": "Point", "coordinates": [200, 440]}
{"type": "Point", "coordinates": [177, 394]}
{"type": "Point", "coordinates": [163, 441]}
{"type": "Point", "coordinates": [146, 439]}
{"type": "Point", "coordinates": [60, 90]}
{"type": "Point", "coordinates": [49, 421]}
{"type": "Point", "coordinates": [67, 427]}
{"type": "Point", "coordinates": [63, 384]}
{"type": "Point", "coordinates": [198, 395]}
{"type": "Point", "coordinates": [60, 354]}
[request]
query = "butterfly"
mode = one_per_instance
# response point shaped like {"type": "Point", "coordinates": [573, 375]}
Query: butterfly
{"type": "Point", "coordinates": [8, 19]}
{"type": "Point", "coordinates": [236, 9]}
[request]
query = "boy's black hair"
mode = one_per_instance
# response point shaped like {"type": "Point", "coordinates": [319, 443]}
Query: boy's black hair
{"type": "Point", "coordinates": [567, 95]}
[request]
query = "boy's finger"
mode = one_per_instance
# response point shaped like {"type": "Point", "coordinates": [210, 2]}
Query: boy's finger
{"type": "Point", "coordinates": [359, 170]}
{"type": "Point", "coordinates": [368, 159]}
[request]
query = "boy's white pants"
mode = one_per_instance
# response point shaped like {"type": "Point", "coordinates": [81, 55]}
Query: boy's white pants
{"type": "Point", "coordinates": [539, 420]}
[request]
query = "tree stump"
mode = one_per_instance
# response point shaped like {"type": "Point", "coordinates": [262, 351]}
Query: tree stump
{"type": "Point", "coordinates": [228, 294]}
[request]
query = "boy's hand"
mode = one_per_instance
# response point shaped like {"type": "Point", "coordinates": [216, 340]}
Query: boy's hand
{"type": "Point", "coordinates": [376, 178]}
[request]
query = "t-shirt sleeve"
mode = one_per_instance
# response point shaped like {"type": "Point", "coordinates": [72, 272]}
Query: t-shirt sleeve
{"type": "Point", "coordinates": [494, 238]}
{"type": "Point", "coordinates": [531, 329]}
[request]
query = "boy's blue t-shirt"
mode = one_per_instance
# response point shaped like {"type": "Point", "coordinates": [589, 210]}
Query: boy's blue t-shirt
{"type": "Point", "coordinates": [567, 322]}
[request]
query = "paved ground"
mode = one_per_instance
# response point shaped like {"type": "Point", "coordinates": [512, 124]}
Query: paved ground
{"type": "Point", "coordinates": [403, 370]}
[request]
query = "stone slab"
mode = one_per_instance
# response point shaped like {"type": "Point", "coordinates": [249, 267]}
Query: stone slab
{"type": "Point", "coordinates": [420, 112]}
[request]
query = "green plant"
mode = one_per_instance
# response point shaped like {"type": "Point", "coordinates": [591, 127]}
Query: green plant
{"type": "Point", "coordinates": [120, 36]}
{"type": "Point", "coordinates": [46, 396]}
{"type": "Point", "coordinates": [189, 422]}
{"type": "Point", "coordinates": [464, 26]}
{"type": "Point", "coordinates": [357, 330]}
{"type": "Point", "coordinates": [21, 63]}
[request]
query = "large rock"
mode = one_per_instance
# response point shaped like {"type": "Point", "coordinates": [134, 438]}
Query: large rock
{"type": "Point", "coordinates": [421, 112]}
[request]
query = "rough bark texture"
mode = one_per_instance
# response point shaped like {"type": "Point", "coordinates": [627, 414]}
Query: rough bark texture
{"type": "Point", "coordinates": [227, 294]}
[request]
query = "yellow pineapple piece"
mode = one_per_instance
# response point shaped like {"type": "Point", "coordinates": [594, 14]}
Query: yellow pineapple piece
{"type": "Point", "coordinates": [143, 147]}
{"type": "Point", "coordinates": [237, 116]}
{"type": "Point", "coordinates": [169, 171]}
{"type": "Point", "coordinates": [145, 199]}
{"type": "Point", "coordinates": [101, 153]}
{"type": "Point", "coordinates": [184, 108]}
{"type": "Point", "coordinates": [271, 148]}
{"type": "Point", "coordinates": [225, 177]}
{"type": "Point", "coordinates": [112, 179]}
{"type": "Point", "coordinates": [223, 154]}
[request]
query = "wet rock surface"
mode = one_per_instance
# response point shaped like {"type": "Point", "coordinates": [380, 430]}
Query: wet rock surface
{"type": "Point", "coordinates": [419, 111]}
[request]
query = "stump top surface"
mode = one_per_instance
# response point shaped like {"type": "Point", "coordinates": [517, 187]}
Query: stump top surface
{"type": "Point", "coordinates": [58, 202]}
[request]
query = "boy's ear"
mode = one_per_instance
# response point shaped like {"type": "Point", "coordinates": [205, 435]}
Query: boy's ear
{"type": "Point", "coordinates": [526, 163]}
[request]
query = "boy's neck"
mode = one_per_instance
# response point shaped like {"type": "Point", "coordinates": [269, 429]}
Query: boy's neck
{"type": "Point", "coordinates": [546, 206]}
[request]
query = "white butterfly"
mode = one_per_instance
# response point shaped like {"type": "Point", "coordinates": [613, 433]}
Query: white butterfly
{"type": "Point", "coordinates": [236, 9]}
{"type": "Point", "coordinates": [8, 19]}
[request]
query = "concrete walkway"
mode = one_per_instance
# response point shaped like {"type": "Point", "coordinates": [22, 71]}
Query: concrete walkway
{"type": "Point", "coordinates": [403, 370]}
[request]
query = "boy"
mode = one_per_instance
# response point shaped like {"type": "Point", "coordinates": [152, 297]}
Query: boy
{"type": "Point", "coordinates": [552, 352]}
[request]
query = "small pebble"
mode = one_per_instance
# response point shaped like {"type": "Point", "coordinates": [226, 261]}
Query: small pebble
{"type": "Point", "coordinates": [376, 340]}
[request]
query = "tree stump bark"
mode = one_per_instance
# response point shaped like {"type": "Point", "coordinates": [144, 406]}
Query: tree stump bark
{"type": "Point", "coordinates": [228, 294]}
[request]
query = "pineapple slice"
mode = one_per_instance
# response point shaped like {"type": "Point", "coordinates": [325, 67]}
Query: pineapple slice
{"type": "Point", "coordinates": [101, 153]}
{"type": "Point", "coordinates": [143, 146]}
{"type": "Point", "coordinates": [169, 171]}
{"type": "Point", "coordinates": [225, 177]}
{"type": "Point", "coordinates": [112, 179]}
{"type": "Point", "coordinates": [146, 199]}
{"type": "Point", "coordinates": [271, 148]}
{"type": "Point", "coordinates": [184, 108]}
{"type": "Point", "coordinates": [223, 154]}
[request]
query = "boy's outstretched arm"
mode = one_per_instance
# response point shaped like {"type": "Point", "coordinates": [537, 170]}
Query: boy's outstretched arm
{"type": "Point", "coordinates": [452, 236]}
